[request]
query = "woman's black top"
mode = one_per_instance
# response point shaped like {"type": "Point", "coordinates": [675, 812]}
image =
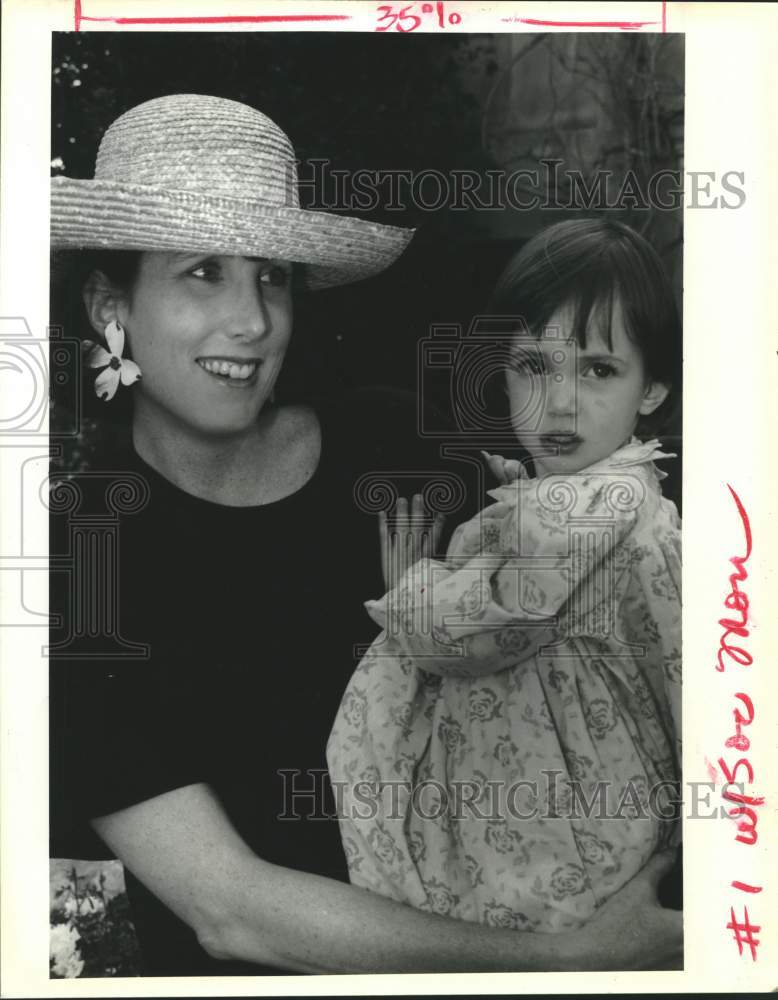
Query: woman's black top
{"type": "Point", "coordinates": [251, 618]}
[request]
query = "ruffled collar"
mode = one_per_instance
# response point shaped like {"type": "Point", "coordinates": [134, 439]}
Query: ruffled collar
{"type": "Point", "coordinates": [635, 452]}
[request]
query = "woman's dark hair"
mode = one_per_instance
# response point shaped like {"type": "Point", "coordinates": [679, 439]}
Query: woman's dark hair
{"type": "Point", "coordinates": [70, 271]}
{"type": "Point", "coordinates": [589, 263]}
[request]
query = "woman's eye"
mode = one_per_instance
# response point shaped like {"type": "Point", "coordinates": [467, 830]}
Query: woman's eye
{"type": "Point", "coordinates": [207, 271]}
{"type": "Point", "coordinates": [276, 276]}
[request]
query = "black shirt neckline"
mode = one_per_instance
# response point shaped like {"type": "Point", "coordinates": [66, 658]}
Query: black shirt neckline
{"type": "Point", "coordinates": [176, 495]}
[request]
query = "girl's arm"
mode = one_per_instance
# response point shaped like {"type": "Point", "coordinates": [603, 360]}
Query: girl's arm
{"type": "Point", "coordinates": [182, 846]}
{"type": "Point", "coordinates": [525, 570]}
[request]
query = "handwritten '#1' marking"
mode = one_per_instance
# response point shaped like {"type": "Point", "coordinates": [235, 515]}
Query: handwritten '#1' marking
{"type": "Point", "coordinates": [736, 600]}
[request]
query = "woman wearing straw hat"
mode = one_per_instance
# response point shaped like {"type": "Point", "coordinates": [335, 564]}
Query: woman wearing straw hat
{"type": "Point", "coordinates": [202, 765]}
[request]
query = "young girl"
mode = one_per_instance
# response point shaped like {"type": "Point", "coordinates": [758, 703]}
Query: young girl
{"type": "Point", "coordinates": [505, 751]}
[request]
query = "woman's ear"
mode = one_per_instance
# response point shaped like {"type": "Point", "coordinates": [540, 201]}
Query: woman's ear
{"type": "Point", "coordinates": [101, 301]}
{"type": "Point", "coordinates": [654, 396]}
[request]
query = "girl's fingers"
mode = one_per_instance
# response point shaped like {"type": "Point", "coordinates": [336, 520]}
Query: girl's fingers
{"type": "Point", "coordinates": [399, 539]}
{"type": "Point", "coordinates": [497, 467]}
{"type": "Point", "coordinates": [437, 530]}
{"type": "Point", "coordinates": [505, 470]}
{"type": "Point", "coordinates": [383, 540]}
{"type": "Point", "coordinates": [418, 529]}
{"type": "Point", "coordinates": [425, 545]}
{"type": "Point", "coordinates": [410, 533]}
{"type": "Point", "coordinates": [404, 539]}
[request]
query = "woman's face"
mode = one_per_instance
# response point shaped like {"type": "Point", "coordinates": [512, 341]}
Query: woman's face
{"type": "Point", "coordinates": [209, 334]}
{"type": "Point", "coordinates": [570, 406]}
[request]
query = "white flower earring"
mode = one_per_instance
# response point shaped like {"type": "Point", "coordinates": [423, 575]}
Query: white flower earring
{"type": "Point", "coordinates": [116, 368]}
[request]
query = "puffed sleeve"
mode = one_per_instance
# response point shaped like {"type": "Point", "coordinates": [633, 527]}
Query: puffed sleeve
{"type": "Point", "coordinates": [547, 564]}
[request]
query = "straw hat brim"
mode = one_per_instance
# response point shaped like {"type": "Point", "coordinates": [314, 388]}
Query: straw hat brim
{"type": "Point", "coordinates": [109, 215]}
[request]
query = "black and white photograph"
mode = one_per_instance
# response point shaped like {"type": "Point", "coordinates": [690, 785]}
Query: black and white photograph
{"type": "Point", "coordinates": [367, 453]}
{"type": "Point", "coordinates": [458, 371]}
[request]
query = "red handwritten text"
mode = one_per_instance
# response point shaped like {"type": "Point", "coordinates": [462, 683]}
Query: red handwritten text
{"type": "Point", "coordinates": [741, 807]}
{"type": "Point", "coordinates": [745, 887]}
{"type": "Point", "coordinates": [736, 600]}
{"type": "Point", "coordinates": [744, 932]}
{"type": "Point", "coordinates": [406, 19]}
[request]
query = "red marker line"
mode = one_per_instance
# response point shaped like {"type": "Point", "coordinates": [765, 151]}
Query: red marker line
{"type": "Point", "coordinates": [744, 887]}
{"type": "Point", "coordinates": [230, 19]}
{"type": "Point", "coordinates": [623, 25]}
{"type": "Point", "coordinates": [664, 16]}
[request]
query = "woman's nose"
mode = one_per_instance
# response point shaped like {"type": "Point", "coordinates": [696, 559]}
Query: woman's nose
{"type": "Point", "coordinates": [248, 312]}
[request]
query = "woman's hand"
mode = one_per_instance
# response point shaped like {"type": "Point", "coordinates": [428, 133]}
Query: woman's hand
{"type": "Point", "coordinates": [413, 535]}
{"type": "Point", "coordinates": [631, 930]}
{"type": "Point", "coordinates": [182, 846]}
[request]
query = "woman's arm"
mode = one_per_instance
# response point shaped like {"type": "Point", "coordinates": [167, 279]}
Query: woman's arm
{"type": "Point", "coordinates": [182, 846]}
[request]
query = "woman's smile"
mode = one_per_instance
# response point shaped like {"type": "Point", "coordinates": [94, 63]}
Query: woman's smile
{"type": "Point", "coordinates": [235, 372]}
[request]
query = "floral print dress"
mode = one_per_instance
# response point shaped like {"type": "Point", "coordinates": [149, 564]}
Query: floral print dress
{"type": "Point", "coordinates": [507, 750]}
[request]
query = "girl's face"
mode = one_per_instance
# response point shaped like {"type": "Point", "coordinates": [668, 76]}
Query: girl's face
{"type": "Point", "coordinates": [209, 334]}
{"type": "Point", "coordinates": [570, 406]}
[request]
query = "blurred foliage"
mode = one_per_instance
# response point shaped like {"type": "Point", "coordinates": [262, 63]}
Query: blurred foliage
{"type": "Point", "coordinates": [602, 104]}
{"type": "Point", "coordinates": [101, 938]}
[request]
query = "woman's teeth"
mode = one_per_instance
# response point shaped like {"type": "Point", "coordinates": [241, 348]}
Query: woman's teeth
{"type": "Point", "coordinates": [230, 369]}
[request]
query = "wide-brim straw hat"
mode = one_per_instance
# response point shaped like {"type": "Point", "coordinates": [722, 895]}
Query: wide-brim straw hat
{"type": "Point", "coordinates": [201, 174]}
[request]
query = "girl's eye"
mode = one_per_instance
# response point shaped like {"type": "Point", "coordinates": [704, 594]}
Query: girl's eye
{"type": "Point", "coordinates": [602, 370]}
{"type": "Point", "coordinates": [276, 276]}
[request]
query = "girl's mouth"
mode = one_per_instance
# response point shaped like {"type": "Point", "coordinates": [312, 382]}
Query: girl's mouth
{"type": "Point", "coordinates": [561, 444]}
{"type": "Point", "coordinates": [231, 371]}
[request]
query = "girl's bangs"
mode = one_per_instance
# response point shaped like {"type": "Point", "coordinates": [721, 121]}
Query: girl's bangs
{"type": "Point", "coordinates": [591, 295]}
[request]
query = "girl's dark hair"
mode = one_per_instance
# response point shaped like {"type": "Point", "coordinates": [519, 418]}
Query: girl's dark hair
{"type": "Point", "coordinates": [589, 263]}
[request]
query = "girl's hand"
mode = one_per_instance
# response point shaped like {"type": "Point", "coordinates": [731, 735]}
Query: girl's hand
{"type": "Point", "coordinates": [413, 535]}
{"type": "Point", "coordinates": [505, 470]}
